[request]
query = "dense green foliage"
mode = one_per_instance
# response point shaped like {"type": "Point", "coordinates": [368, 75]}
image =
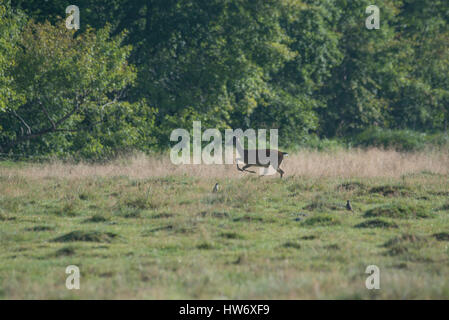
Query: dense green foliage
{"type": "Point", "coordinates": [309, 68]}
{"type": "Point", "coordinates": [9, 36]}
{"type": "Point", "coordinates": [401, 140]}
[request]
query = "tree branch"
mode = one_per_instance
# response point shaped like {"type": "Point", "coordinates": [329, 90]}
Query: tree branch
{"type": "Point", "coordinates": [23, 121]}
{"type": "Point", "coordinates": [44, 110]}
{"type": "Point", "coordinates": [43, 131]}
{"type": "Point", "coordinates": [56, 124]}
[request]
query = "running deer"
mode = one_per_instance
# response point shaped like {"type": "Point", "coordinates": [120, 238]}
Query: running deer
{"type": "Point", "coordinates": [251, 158]}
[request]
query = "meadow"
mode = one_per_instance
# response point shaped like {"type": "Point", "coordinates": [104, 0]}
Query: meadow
{"type": "Point", "coordinates": [141, 228]}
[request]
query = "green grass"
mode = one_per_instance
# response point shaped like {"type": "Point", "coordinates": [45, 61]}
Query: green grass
{"type": "Point", "coordinates": [256, 238]}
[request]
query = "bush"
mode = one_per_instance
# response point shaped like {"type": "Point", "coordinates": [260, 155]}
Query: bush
{"type": "Point", "coordinates": [315, 143]}
{"type": "Point", "coordinates": [400, 140]}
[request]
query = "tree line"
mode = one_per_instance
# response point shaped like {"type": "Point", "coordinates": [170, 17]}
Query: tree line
{"type": "Point", "coordinates": [136, 70]}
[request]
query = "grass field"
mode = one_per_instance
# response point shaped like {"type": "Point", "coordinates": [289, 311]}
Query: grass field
{"type": "Point", "coordinates": [143, 228]}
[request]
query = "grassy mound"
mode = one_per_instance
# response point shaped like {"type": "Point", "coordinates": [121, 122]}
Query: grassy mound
{"type": "Point", "coordinates": [401, 211]}
{"type": "Point", "coordinates": [322, 204]}
{"type": "Point", "coordinates": [40, 228]}
{"type": "Point", "coordinates": [248, 218]}
{"type": "Point", "coordinates": [131, 214]}
{"type": "Point", "coordinates": [231, 235]}
{"type": "Point", "coordinates": [351, 186]}
{"type": "Point", "coordinates": [376, 223]}
{"type": "Point", "coordinates": [309, 237]}
{"type": "Point", "coordinates": [163, 215]}
{"type": "Point", "coordinates": [402, 244]}
{"type": "Point", "coordinates": [157, 229]}
{"type": "Point", "coordinates": [292, 245]}
{"type": "Point", "coordinates": [4, 217]}
{"type": "Point", "coordinates": [64, 252]}
{"type": "Point", "coordinates": [214, 214]}
{"type": "Point", "coordinates": [205, 246]}
{"type": "Point", "coordinates": [322, 220]}
{"type": "Point", "coordinates": [96, 218]}
{"type": "Point", "coordinates": [88, 236]}
{"type": "Point", "coordinates": [391, 191]}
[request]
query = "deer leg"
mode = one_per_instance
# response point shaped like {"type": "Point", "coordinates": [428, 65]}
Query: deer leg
{"type": "Point", "coordinates": [281, 172]}
{"type": "Point", "coordinates": [247, 166]}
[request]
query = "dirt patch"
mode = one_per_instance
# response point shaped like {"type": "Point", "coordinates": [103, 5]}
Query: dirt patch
{"type": "Point", "coordinates": [205, 246]}
{"type": "Point", "coordinates": [163, 228]}
{"type": "Point", "coordinates": [4, 217]}
{"type": "Point", "coordinates": [291, 244]}
{"type": "Point", "coordinates": [311, 237]}
{"type": "Point", "coordinates": [442, 236]}
{"type": "Point", "coordinates": [65, 252]}
{"type": "Point", "coordinates": [231, 235]}
{"type": "Point", "coordinates": [444, 207]}
{"type": "Point", "coordinates": [84, 196]}
{"type": "Point", "coordinates": [401, 265]}
{"type": "Point", "coordinates": [163, 216]}
{"type": "Point", "coordinates": [248, 219]}
{"type": "Point", "coordinates": [332, 247]}
{"type": "Point", "coordinates": [40, 228]}
{"type": "Point", "coordinates": [87, 236]}
{"type": "Point", "coordinates": [132, 214]}
{"type": "Point", "coordinates": [96, 218]}
{"type": "Point", "coordinates": [440, 193]}
{"type": "Point", "coordinates": [376, 223]}
{"type": "Point", "coordinates": [186, 228]}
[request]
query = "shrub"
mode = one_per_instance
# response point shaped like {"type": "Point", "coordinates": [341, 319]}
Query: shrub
{"type": "Point", "coordinates": [400, 140]}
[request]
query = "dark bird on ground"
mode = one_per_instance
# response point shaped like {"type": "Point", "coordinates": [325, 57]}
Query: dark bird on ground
{"type": "Point", "coordinates": [348, 206]}
{"type": "Point", "coordinates": [216, 188]}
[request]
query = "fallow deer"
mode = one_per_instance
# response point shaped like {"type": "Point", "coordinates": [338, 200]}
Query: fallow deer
{"type": "Point", "coordinates": [251, 158]}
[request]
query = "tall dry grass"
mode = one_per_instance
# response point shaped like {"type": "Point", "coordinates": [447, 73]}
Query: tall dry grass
{"type": "Point", "coordinates": [352, 163]}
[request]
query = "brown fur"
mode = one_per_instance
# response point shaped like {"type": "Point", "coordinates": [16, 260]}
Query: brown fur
{"type": "Point", "coordinates": [268, 152]}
